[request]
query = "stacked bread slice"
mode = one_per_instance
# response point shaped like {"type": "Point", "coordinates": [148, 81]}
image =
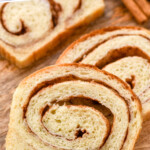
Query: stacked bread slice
{"type": "Point", "coordinates": [28, 29]}
{"type": "Point", "coordinates": [122, 51]}
{"type": "Point", "coordinates": [52, 110]}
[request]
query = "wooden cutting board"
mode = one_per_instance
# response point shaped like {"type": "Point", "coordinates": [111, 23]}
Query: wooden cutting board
{"type": "Point", "coordinates": [10, 76]}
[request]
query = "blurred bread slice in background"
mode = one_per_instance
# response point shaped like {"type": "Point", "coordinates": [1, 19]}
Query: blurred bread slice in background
{"type": "Point", "coordinates": [29, 29]}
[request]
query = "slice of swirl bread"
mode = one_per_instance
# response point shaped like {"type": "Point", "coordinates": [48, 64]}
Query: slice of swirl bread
{"type": "Point", "coordinates": [44, 117]}
{"type": "Point", "coordinates": [30, 28]}
{"type": "Point", "coordinates": [128, 46]}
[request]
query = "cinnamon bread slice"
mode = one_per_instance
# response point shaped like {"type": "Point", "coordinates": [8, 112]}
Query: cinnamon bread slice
{"type": "Point", "coordinates": [128, 46]}
{"type": "Point", "coordinates": [43, 115]}
{"type": "Point", "coordinates": [28, 29]}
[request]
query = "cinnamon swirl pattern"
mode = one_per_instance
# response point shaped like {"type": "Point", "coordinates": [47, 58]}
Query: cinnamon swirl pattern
{"type": "Point", "coordinates": [29, 29]}
{"type": "Point", "coordinates": [123, 51]}
{"type": "Point", "coordinates": [49, 111]}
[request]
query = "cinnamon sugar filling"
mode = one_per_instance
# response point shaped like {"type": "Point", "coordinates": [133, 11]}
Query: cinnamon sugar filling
{"type": "Point", "coordinates": [72, 101]}
{"type": "Point", "coordinates": [115, 54]}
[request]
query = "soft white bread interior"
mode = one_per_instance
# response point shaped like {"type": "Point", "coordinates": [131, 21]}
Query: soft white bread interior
{"type": "Point", "coordinates": [129, 45]}
{"type": "Point", "coordinates": [28, 29]}
{"type": "Point", "coordinates": [43, 115]}
{"type": "Point", "coordinates": [136, 72]}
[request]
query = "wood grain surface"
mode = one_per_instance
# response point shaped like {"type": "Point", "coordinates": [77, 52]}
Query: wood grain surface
{"type": "Point", "coordinates": [10, 76]}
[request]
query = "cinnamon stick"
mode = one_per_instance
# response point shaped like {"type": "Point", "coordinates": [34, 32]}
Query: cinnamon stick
{"type": "Point", "coordinates": [144, 5]}
{"type": "Point", "coordinates": [135, 10]}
